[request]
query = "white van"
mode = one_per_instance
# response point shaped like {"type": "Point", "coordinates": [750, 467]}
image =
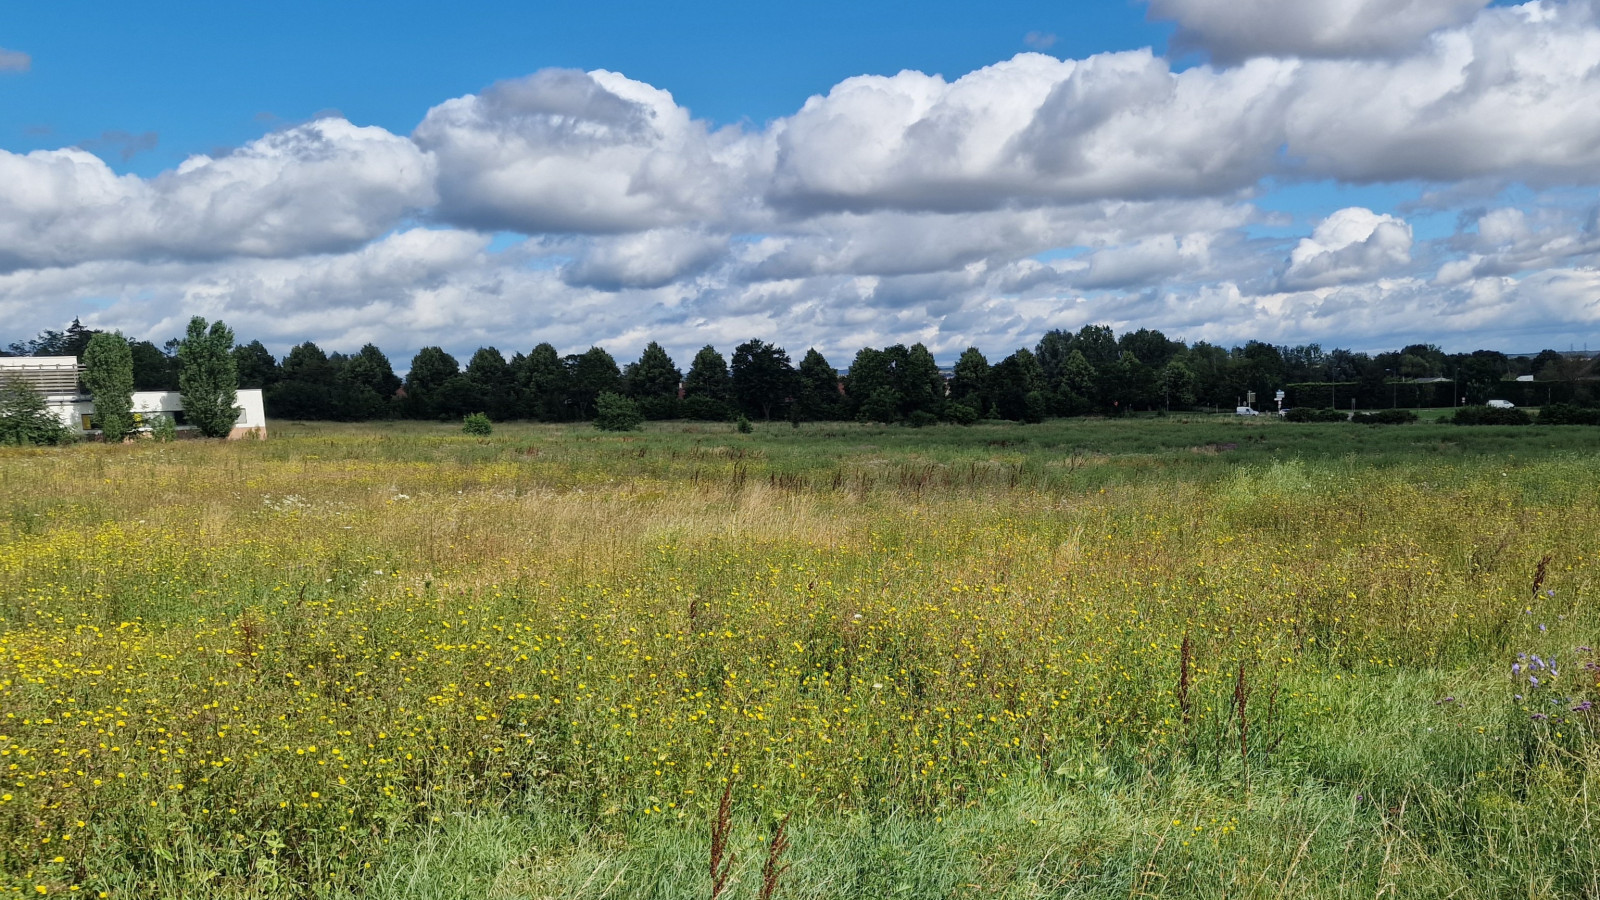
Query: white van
{"type": "Point", "coordinates": [1244, 411]}
{"type": "Point", "coordinates": [1501, 404]}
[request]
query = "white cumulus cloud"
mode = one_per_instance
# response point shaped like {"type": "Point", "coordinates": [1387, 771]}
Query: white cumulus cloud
{"type": "Point", "coordinates": [1353, 244]}
{"type": "Point", "coordinates": [569, 151]}
{"type": "Point", "coordinates": [325, 185]}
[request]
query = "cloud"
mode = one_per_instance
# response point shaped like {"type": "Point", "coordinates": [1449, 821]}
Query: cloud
{"type": "Point", "coordinates": [1031, 194]}
{"type": "Point", "coordinates": [14, 61]}
{"type": "Point", "coordinates": [326, 185]}
{"type": "Point", "coordinates": [1234, 30]}
{"type": "Point", "coordinates": [1029, 131]}
{"type": "Point", "coordinates": [1146, 261]}
{"type": "Point", "coordinates": [126, 145]}
{"type": "Point", "coordinates": [647, 260]}
{"type": "Point", "coordinates": [1505, 97]}
{"type": "Point", "coordinates": [1039, 40]}
{"type": "Point", "coordinates": [589, 152]}
{"type": "Point", "coordinates": [1352, 245]}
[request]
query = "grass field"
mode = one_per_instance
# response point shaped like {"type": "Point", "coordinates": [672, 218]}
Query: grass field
{"type": "Point", "coordinates": [1181, 657]}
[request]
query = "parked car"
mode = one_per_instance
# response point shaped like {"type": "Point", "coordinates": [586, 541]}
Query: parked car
{"type": "Point", "coordinates": [1244, 411]}
{"type": "Point", "coordinates": [1501, 404]}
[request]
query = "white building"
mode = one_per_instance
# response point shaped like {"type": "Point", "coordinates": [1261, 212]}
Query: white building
{"type": "Point", "coordinates": [57, 378]}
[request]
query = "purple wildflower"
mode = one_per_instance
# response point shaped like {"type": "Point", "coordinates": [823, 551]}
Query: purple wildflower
{"type": "Point", "coordinates": [1542, 627]}
{"type": "Point", "coordinates": [1585, 706]}
{"type": "Point", "coordinates": [1540, 717]}
{"type": "Point", "coordinates": [1533, 680]}
{"type": "Point", "coordinates": [1516, 669]}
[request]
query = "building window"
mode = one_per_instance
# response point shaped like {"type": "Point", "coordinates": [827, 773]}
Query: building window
{"type": "Point", "coordinates": [88, 422]}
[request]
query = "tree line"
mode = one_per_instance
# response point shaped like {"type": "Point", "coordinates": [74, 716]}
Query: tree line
{"type": "Point", "coordinates": [1092, 371]}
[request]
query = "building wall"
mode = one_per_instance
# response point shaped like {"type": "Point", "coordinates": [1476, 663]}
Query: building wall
{"type": "Point", "coordinates": [73, 408]}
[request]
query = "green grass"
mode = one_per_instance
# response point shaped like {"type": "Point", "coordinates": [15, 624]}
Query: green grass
{"type": "Point", "coordinates": [396, 661]}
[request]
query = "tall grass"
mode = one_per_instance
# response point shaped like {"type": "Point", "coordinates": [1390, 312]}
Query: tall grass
{"type": "Point", "coordinates": [1094, 659]}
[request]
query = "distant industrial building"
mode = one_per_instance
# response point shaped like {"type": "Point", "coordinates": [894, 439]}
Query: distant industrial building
{"type": "Point", "coordinates": [57, 378]}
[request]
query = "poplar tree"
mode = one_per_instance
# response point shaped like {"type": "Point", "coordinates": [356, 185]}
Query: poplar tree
{"type": "Point", "coordinates": [108, 374]}
{"type": "Point", "coordinates": [208, 378]}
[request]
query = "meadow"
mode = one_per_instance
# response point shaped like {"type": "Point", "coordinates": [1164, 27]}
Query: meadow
{"type": "Point", "coordinates": [1182, 657]}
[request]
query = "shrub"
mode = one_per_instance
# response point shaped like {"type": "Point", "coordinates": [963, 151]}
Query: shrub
{"type": "Point", "coordinates": [614, 412]}
{"type": "Point", "coordinates": [476, 424]}
{"type": "Point", "coordinates": [960, 413]}
{"type": "Point", "coordinates": [744, 425]}
{"type": "Point", "coordinates": [1385, 417]}
{"type": "Point", "coordinates": [921, 418]}
{"type": "Point", "coordinates": [1568, 414]}
{"type": "Point", "coordinates": [163, 428]}
{"type": "Point", "coordinates": [1489, 415]}
{"type": "Point", "coordinates": [25, 418]}
{"type": "Point", "coordinates": [1312, 414]}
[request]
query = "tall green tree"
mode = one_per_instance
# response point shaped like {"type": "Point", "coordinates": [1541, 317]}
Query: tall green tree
{"type": "Point", "coordinates": [872, 386]}
{"type": "Point", "coordinates": [495, 383]}
{"type": "Point", "coordinates": [256, 366]}
{"type": "Point", "coordinates": [207, 378]}
{"type": "Point", "coordinates": [1129, 384]}
{"type": "Point", "coordinates": [1018, 386]}
{"type": "Point", "coordinates": [108, 374]}
{"type": "Point", "coordinates": [153, 369]}
{"type": "Point", "coordinates": [653, 382]}
{"type": "Point", "coordinates": [1052, 352]}
{"type": "Point", "coordinates": [1098, 344]}
{"type": "Point", "coordinates": [542, 381]}
{"type": "Point", "coordinates": [1260, 367]}
{"type": "Point", "coordinates": [762, 377]}
{"type": "Point", "coordinates": [1079, 382]}
{"type": "Point", "coordinates": [592, 373]}
{"type": "Point", "coordinates": [1153, 348]}
{"type": "Point", "coordinates": [307, 362]}
{"type": "Point", "coordinates": [817, 396]}
{"type": "Point", "coordinates": [706, 388]}
{"type": "Point", "coordinates": [920, 382]}
{"type": "Point", "coordinates": [370, 370]}
{"type": "Point", "coordinates": [1177, 385]}
{"type": "Point", "coordinates": [305, 388]}
{"type": "Point", "coordinates": [430, 369]}
{"type": "Point", "coordinates": [969, 383]}
{"type": "Point", "coordinates": [77, 339]}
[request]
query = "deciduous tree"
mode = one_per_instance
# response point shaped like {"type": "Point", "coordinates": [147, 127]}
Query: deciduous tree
{"type": "Point", "coordinates": [207, 377]}
{"type": "Point", "coordinates": [108, 374]}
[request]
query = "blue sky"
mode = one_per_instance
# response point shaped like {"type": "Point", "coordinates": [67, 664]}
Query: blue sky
{"type": "Point", "coordinates": [1363, 173]}
{"type": "Point", "coordinates": [208, 75]}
